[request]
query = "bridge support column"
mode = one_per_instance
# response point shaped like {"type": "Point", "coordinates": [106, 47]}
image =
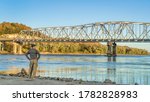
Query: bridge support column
{"type": "Point", "coordinates": [114, 52]}
{"type": "Point", "coordinates": [14, 48]}
{"type": "Point", "coordinates": [2, 45]}
{"type": "Point", "coordinates": [19, 49]}
{"type": "Point", "coordinates": [109, 48]}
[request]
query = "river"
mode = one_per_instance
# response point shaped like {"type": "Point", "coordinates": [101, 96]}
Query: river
{"type": "Point", "coordinates": [120, 69]}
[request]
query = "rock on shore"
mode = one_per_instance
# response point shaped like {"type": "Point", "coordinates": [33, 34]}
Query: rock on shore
{"type": "Point", "coordinates": [21, 78]}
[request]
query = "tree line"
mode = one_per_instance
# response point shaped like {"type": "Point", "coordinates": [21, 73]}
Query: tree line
{"type": "Point", "coordinates": [77, 48]}
{"type": "Point", "coordinates": [10, 28]}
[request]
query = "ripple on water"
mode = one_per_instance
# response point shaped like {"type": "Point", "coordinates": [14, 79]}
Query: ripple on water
{"type": "Point", "coordinates": [122, 69]}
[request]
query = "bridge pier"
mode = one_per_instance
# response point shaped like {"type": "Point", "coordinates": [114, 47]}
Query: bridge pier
{"type": "Point", "coordinates": [17, 48]}
{"type": "Point", "coordinates": [114, 53]}
{"type": "Point", "coordinates": [1, 46]}
{"type": "Point", "coordinates": [111, 49]}
{"type": "Point", "coordinates": [14, 48]}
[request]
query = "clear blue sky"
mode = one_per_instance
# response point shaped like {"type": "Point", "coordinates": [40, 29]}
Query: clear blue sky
{"type": "Point", "coordinates": [39, 13]}
{"type": "Point", "coordinates": [45, 13]}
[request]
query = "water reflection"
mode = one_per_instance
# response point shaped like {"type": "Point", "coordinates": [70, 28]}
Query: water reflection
{"type": "Point", "coordinates": [111, 68]}
{"type": "Point", "coordinates": [100, 69]}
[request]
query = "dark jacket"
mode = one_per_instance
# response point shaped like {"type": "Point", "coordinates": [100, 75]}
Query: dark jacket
{"type": "Point", "coordinates": [34, 54]}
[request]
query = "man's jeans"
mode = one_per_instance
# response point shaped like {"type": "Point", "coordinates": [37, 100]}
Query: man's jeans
{"type": "Point", "coordinates": [33, 68]}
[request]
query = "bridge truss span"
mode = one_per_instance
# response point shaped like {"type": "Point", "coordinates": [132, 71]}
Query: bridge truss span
{"type": "Point", "coordinates": [118, 31]}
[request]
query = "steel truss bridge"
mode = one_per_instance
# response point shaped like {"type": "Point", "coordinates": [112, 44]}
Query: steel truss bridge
{"type": "Point", "coordinates": [118, 31]}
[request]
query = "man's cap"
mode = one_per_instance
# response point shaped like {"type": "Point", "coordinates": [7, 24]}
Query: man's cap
{"type": "Point", "coordinates": [32, 45]}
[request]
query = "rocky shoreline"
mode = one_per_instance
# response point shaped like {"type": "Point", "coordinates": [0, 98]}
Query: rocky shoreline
{"type": "Point", "coordinates": [21, 78]}
{"type": "Point", "coordinates": [14, 80]}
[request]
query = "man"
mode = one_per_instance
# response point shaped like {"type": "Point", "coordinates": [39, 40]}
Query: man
{"type": "Point", "coordinates": [34, 56]}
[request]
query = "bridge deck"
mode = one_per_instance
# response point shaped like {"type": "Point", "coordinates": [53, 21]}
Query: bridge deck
{"type": "Point", "coordinates": [79, 40]}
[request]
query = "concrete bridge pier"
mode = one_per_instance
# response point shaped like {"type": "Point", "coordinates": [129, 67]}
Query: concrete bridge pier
{"type": "Point", "coordinates": [17, 48]}
{"type": "Point", "coordinates": [1, 46]}
{"type": "Point", "coordinates": [14, 48]}
{"type": "Point", "coordinates": [114, 52]}
{"type": "Point", "coordinates": [109, 48]}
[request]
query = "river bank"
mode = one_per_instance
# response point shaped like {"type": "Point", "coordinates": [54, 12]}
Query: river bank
{"type": "Point", "coordinates": [15, 80]}
{"type": "Point", "coordinates": [74, 54]}
{"type": "Point", "coordinates": [16, 77]}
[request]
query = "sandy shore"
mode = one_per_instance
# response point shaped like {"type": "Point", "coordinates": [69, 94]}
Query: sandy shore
{"type": "Point", "coordinates": [9, 80]}
{"type": "Point", "coordinates": [13, 80]}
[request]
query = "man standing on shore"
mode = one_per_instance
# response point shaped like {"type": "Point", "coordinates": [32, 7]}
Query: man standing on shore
{"type": "Point", "coordinates": [34, 56]}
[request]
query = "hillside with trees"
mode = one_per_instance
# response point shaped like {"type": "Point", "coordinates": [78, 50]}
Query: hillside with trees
{"type": "Point", "coordinates": [10, 28]}
{"type": "Point", "coordinates": [86, 48]}
{"type": "Point", "coordinates": [77, 48]}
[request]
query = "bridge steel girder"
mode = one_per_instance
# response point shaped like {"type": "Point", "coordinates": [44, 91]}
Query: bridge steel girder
{"type": "Point", "coordinates": [118, 31]}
